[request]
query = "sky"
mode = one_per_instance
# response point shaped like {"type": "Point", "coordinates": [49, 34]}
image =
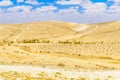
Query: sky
{"type": "Point", "coordinates": [78, 11]}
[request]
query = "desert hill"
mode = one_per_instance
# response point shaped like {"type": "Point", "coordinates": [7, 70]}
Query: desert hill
{"type": "Point", "coordinates": [61, 31]}
{"type": "Point", "coordinates": [61, 45]}
{"type": "Point", "coordinates": [109, 31]}
{"type": "Point", "coordinates": [42, 30]}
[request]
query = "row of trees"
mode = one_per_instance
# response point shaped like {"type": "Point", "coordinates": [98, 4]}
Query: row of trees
{"type": "Point", "coordinates": [80, 42]}
{"type": "Point", "coordinates": [36, 41]}
{"type": "Point", "coordinates": [4, 41]}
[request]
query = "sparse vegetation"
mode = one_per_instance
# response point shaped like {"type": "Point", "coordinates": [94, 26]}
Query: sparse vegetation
{"type": "Point", "coordinates": [58, 45]}
{"type": "Point", "coordinates": [36, 41]}
{"type": "Point", "coordinates": [61, 65]}
{"type": "Point", "coordinates": [26, 48]}
{"type": "Point", "coordinates": [13, 75]}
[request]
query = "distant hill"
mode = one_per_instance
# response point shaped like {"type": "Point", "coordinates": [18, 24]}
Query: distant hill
{"type": "Point", "coordinates": [54, 30]}
{"type": "Point", "coordinates": [61, 45]}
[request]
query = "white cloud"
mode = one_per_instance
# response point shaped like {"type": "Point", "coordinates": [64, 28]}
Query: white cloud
{"type": "Point", "coordinates": [1, 10]}
{"type": "Point", "coordinates": [46, 8]}
{"type": "Point", "coordinates": [69, 10]}
{"type": "Point", "coordinates": [20, 0]}
{"type": "Point", "coordinates": [114, 9]}
{"type": "Point", "coordinates": [115, 1]}
{"type": "Point", "coordinates": [71, 2]}
{"type": "Point", "coordinates": [6, 3]}
{"type": "Point", "coordinates": [19, 8]}
{"type": "Point", "coordinates": [33, 2]}
{"type": "Point", "coordinates": [94, 9]}
{"type": "Point", "coordinates": [93, 12]}
{"type": "Point", "coordinates": [69, 15]}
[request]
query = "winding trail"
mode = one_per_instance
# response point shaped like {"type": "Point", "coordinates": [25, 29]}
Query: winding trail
{"type": "Point", "coordinates": [35, 70]}
{"type": "Point", "coordinates": [18, 36]}
{"type": "Point", "coordinates": [76, 35]}
{"type": "Point", "coordinates": [64, 37]}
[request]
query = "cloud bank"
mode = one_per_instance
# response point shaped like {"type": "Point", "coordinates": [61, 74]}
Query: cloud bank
{"type": "Point", "coordinates": [80, 11]}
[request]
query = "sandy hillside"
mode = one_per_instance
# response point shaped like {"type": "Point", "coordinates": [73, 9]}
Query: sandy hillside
{"type": "Point", "coordinates": [42, 30]}
{"type": "Point", "coordinates": [61, 45]}
{"type": "Point", "coordinates": [107, 32]}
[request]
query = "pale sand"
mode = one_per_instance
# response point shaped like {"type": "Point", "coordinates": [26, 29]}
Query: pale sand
{"type": "Point", "coordinates": [70, 74]}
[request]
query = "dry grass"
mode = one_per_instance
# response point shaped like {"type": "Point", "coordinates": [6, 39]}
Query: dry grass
{"type": "Point", "coordinates": [13, 75]}
{"type": "Point", "coordinates": [59, 57]}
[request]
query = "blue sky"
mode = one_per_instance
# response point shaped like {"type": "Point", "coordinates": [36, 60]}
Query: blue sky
{"type": "Point", "coordinates": [79, 11]}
